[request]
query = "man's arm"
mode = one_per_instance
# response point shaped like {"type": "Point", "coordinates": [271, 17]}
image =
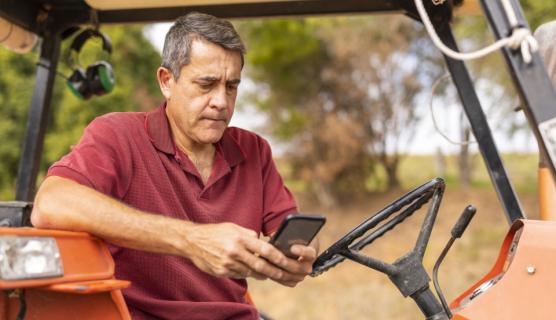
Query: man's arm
{"type": "Point", "coordinates": [224, 250]}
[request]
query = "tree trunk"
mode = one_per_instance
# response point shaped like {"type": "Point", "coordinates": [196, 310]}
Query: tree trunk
{"type": "Point", "coordinates": [440, 163]}
{"type": "Point", "coordinates": [323, 193]}
{"type": "Point", "coordinates": [464, 160]}
{"type": "Point", "coordinates": [391, 168]}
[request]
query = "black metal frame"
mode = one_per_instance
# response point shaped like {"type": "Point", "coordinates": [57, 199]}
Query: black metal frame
{"type": "Point", "coordinates": [532, 82]}
{"type": "Point", "coordinates": [49, 18]}
{"type": "Point", "coordinates": [481, 130]}
{"type": "Point", "coordinates": [15, 213]}
{"type": "Point", "coordinates": [39, 113]}
{"type": "Point", "coordinates": [63, 13]}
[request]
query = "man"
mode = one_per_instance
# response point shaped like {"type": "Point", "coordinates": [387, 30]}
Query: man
{"type": "Point", "coordinates": [181, 197]}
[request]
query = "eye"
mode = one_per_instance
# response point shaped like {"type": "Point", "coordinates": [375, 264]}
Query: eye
{"type": "Point", "coordinates": [205, 85]}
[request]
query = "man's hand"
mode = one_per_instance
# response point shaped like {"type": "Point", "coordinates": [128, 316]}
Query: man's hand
{"type": "Point", "coordinates": [228, 250]}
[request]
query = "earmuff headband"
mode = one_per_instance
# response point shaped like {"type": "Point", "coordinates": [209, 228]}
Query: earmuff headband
{"type": "Point", "coordinates": [87, 34]}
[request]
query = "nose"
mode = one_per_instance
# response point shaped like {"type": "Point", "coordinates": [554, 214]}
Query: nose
{"type": "Point", "coordinates": [219, 99]}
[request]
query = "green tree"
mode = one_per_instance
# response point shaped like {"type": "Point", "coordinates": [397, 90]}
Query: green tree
{"type": "Point", "coordinates": [134, 61]}
{"type": "Point", "coordinates": [16, 81]}
{"type": "Point", "coordinates": [538, 11]}
{"type": "Point", "coordinates": [341, 91]}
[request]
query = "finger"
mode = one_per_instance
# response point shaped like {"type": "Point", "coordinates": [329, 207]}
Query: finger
{"type": "Point", "coordinates": [263, 249]}
{"type": "Point", "coordinates": [290, 284]}
{"type": "Point", "coordinates": [258, 276]}
{"type": "Point", "coordinates": [295, 270]}
{"type": "Point", "coordinates": [235, 275]}
{"type": "Point", "coordinates": [239, 271]}
{"type": "Point", "coordinates": [255, 261]}
{"type": "Point", "coordinates": [263, 267]}
{"type": "Point", "coordinates": [308, 253]}
{"type": "Point", "coordinates": [292, 277]}
{"type": "Point", "coordinates": [252, 273]}
{"type": "Point", "coordinates": [298, 267]}
{"type": "Point", "coordinates": [247, 272]}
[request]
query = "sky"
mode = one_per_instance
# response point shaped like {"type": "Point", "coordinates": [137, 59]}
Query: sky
{"type": "Point", "coordinates": [426, 140]}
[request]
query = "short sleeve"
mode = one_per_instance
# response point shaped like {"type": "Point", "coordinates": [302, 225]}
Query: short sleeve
{"type": "Point", "coordinates": [101, 159]}
{"type": "Point", "coordinates": [278, 201]}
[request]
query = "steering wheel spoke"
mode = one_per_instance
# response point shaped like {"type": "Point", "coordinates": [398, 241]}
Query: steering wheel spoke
{"type": "Point", "coordinates": [370, 262]}
{"type": "Point", "coordinates": [392, 215]}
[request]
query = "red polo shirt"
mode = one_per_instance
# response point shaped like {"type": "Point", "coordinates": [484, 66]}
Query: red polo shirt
{"type": "Point", "coordinates": [131, 156]}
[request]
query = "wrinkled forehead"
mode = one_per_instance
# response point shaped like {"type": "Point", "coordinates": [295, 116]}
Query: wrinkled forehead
{"type": "Point", "coordinates": [211, 59]}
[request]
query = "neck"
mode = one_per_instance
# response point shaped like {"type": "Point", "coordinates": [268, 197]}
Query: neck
{"type": "Point", "coordinates": [202, 158]}
{"type": "Point", "coordinates": [190, 147]}
{"type": "Point", "coordinates": [202, 155]}
{"type": "Point", "coordinates": [195, 150]}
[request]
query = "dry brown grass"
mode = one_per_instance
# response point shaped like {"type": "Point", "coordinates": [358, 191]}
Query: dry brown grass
{"type": "Point", "coordinates": [351, 291]}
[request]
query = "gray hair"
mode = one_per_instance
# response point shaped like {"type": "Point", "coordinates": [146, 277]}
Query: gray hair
{"type": "Point", "coordinates": [197, 26]}
{"type": "Point", "coordinates": [546, 36]}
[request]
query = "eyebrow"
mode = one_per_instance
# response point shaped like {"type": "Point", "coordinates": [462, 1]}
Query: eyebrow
{"type": "Point", "coordinates": [214, 79]}
{"type": "Point", "coordinates": [207, 79]}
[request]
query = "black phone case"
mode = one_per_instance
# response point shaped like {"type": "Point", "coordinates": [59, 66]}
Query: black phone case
{"type": "Point", "coordinates": [297, 229]}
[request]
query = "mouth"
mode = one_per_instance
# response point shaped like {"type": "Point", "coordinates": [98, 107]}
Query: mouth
{"type": "Point", "coordinates": [215, 118]}
{"type": "Point", "coordinates": [215, 121]}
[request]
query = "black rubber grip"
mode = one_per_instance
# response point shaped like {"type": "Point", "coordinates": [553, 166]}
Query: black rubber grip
{"type": "Point", "coordinates": [463, 221]}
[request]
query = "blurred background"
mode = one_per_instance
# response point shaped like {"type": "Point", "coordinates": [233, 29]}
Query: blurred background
{"type": "Point", "coordinates": [344, 101]}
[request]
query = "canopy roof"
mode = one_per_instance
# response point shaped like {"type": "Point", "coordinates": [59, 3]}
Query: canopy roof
{"type": "Point", "coordinates": [41, 15]}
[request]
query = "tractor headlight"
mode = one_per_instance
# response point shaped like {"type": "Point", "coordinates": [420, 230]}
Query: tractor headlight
{"type": "Point", "coordinates": [29, 258]}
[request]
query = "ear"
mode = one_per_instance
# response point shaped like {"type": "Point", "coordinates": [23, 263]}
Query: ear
{"type": "Point", "coordinates": [165, 81]}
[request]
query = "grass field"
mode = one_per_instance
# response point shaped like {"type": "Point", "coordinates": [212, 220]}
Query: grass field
{"type": "Point", "coordinates": [522, 169]}
{"type": "Point", "coordinates": [351, 291]}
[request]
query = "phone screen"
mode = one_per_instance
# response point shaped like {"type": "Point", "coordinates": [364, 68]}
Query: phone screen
{"type": "Point", "coordinates": [297, 229]}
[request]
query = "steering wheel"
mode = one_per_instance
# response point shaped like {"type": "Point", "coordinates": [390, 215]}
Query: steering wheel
{"type": "Point", "coordinates": [393, 214]}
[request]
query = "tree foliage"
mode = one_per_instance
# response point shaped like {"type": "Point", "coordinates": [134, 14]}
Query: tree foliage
{"type": "Point", "coordinates": [538, 11]}
{"type": "Point", "coordinates": [342, 92]}
{"type": "Point", "coordinates": [134, 61]}
{"type": "Point", "coordinates": [15, 88]}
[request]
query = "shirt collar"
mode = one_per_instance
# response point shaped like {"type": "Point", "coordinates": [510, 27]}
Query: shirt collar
{"type": "Point", "coordinates": [160, 134]}
{"type": "Point", "coordinates": [230, 149]}
{"type": "Point", "coordinates": [158, 129]}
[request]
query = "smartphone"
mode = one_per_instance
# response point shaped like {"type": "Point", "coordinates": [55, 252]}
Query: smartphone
{"type": "Point", "coordinates": [296, 229]}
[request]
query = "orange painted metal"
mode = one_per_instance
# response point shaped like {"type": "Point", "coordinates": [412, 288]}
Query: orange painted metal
{"type": "Point", "coordinates": [51, 305]}
{"type": "Point", "coordinates": [87, 287]}
{"type": "Point", "coordinates": [86, 291]}
{"type": "Point", "coordinates": [547, 195]}
{"type": "Point", "coordinates": [525, 289]}
{"type": "Point", "coordinates": [249, 299]}
{"type": "Point", "coordinates": [84, 257]}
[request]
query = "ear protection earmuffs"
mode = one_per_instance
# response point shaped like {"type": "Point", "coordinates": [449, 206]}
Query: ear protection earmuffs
{"type": "Point", "coordinates": [98, 78]}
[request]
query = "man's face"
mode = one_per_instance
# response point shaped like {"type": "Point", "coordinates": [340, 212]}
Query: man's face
{"type": "Point", "coordinates": [201, 102]}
